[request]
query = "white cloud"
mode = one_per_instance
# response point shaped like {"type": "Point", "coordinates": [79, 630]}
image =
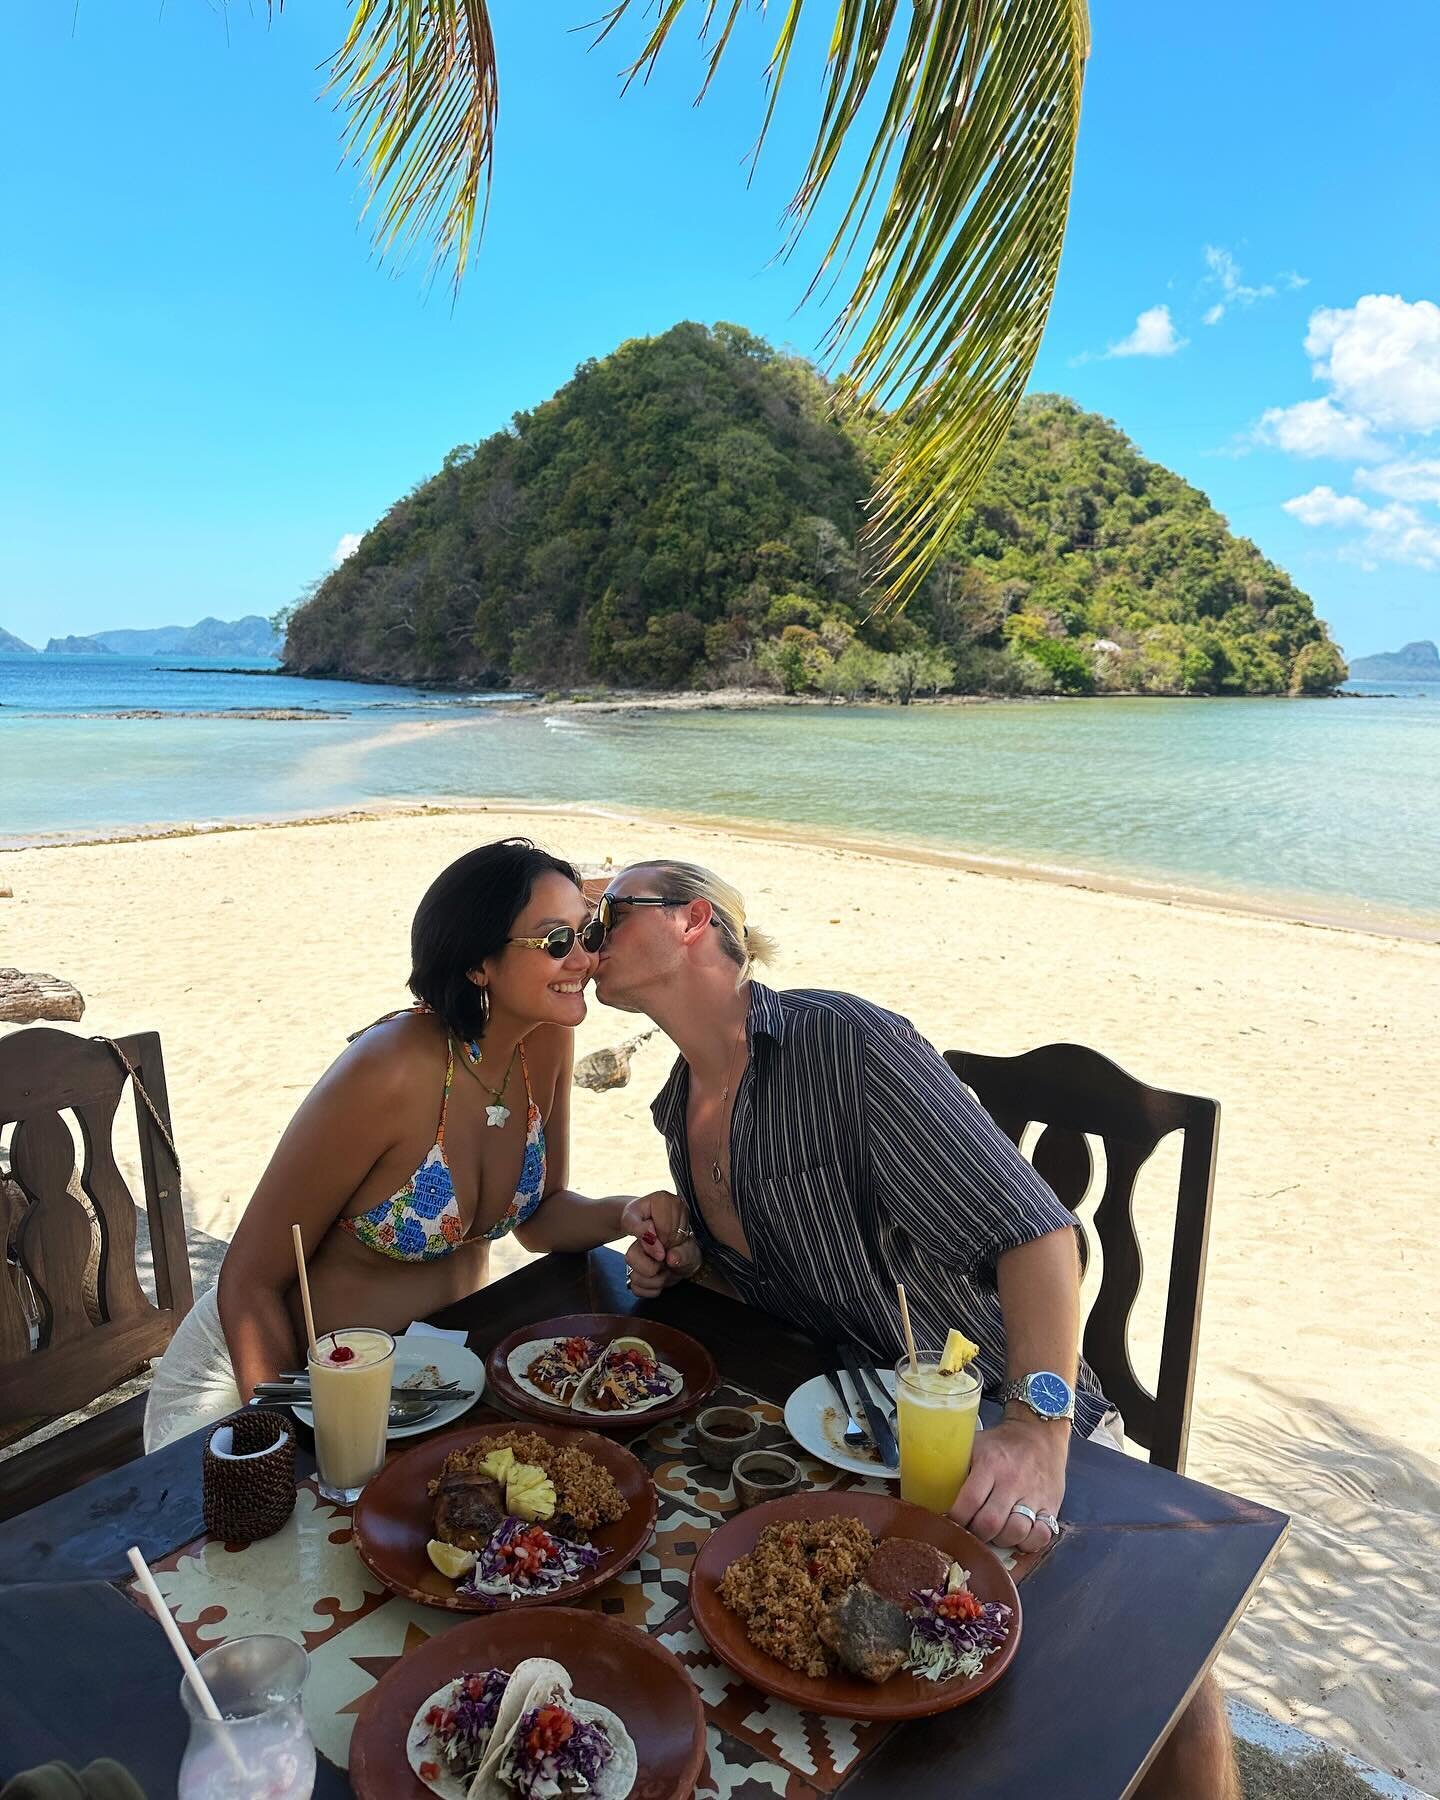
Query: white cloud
{"type": "Point", "coordinates": [347, 546]}
{"type": "Point", "coordinates": [1382, 360]}
{"type": "Point", "coordinates": [1225, 274]}
{"type": "Point", "coordinates": [1394, 533]}
{"type": "Point", "coordinates": [1317, 428]}
{"type": "Point", "coordinates": [1154, 335]}
{"type": "Point", "coordinates": [1323, 506]}
{"type": "Point", "coordinates": [1418, 479]}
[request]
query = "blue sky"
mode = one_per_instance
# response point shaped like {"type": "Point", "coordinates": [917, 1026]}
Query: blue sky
{"type": "Point", "coordinates": [208, 382]}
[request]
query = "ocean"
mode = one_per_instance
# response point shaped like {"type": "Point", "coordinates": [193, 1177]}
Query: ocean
{"type": "Point", "coordinates": [1328, 808]}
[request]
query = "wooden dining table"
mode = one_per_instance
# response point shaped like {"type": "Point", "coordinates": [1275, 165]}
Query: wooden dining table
{"type": "Point", "coordinates": [1122, 1618]}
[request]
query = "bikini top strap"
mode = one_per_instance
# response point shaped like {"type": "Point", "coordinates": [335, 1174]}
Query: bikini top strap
{"type": "Point", "coordinates": [525, 1072]}
{"type": "Point", "coordinates": [449, 1078]}
{"type": "Point", "coordinates": [400, 1012]}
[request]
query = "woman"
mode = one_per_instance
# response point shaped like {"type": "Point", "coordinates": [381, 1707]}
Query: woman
{"type": "Point", "coordinates": [438, 1131]}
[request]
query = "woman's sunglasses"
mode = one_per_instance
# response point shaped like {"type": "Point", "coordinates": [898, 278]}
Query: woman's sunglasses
{"type": "Point", "coordinates": [561, 941]}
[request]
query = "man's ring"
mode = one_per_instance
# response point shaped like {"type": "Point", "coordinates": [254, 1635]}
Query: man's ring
{"type": "Point", "coordinates": [1050, 1522]}
{"type": "Point", "coordinates": [684, 1235]}
{"type": "Point", "coordinates": [630, 1278]}
{"type": "Point", "coordinates": [1025, 1512]}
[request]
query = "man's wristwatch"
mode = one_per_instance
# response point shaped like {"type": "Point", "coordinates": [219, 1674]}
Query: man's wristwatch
{"type": "Point", "coordinates": [1048, 1395]}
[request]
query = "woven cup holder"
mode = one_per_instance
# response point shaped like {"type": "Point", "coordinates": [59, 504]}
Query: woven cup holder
{"type": "Point", "coordinates": [249, 1475]}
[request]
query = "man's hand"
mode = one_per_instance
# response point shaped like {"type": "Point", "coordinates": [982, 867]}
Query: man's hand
{"type": "Point", "coordinates": [1017, 1461]}
{"type": "Point", "coordinates": [664, 1250]}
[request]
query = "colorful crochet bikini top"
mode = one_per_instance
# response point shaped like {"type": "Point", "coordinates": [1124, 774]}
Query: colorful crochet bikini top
{"type": "Point", "coordinates": [422, 1221]}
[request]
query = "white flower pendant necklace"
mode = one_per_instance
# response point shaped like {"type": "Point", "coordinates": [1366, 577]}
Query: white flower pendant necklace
{"type": "Point", "coordinates": [498, 1114]}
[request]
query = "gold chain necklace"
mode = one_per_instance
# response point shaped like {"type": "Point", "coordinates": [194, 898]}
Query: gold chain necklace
{"type": "Point", "coordinates": [717, 1174]}
{"type": "Point", "coordinates": [498, 1114]}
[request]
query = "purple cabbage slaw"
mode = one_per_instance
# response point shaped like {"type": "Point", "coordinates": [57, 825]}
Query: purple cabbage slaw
{"type": "Point", "coordinates": [584, 1753]}
{"type": "Point", "coordinates": [463, 1734]}
{"type": "Point", "coordinates": [489, 1576]}
{"type": "Point", "coordinates": [941, 1647]}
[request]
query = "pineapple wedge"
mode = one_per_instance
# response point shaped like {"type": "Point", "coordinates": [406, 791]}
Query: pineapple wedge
{"type": "Point", "coordinates": [958, 1352]}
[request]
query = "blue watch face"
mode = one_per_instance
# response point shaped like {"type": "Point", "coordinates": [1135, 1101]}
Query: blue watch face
{"type": "Point", "coordinates": [1048, 1394]}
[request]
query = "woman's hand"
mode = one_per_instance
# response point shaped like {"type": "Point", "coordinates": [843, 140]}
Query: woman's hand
{"type": "Point", "coordinates": [664, 1250]}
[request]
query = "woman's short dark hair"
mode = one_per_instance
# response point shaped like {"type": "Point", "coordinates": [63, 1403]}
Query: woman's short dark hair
{"type": "Point", "coordinates": [466, 915]}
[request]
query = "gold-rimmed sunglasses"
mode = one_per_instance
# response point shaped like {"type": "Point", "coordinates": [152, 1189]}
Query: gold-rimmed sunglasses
{"type": "Point", "coordinates": [562, 939]}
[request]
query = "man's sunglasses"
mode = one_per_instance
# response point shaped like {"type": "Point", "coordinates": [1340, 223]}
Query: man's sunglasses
{"type": "Point", "coordinates": [605, 911]}
{"type": "Point", "coordinates": [561, 941]}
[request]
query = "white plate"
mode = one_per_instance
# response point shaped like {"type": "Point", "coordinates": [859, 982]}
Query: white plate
{"type": "Point", "coordinates": [814, 1419]}
{"type": "Point", "coordinates": [454, 1362]}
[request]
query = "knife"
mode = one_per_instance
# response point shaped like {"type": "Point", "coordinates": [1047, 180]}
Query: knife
{"type": "Point", "coordinates": [880, 1432]}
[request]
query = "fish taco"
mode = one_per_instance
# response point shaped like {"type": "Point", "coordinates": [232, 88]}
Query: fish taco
{"type": "Point", "coordinates": [627, 1377]}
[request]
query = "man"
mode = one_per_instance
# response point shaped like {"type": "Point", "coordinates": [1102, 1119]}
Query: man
{"type": "Point", "coordinates": [822, 1151]}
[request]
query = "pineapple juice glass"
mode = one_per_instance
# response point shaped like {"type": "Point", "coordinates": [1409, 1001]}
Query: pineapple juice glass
{"type": "Point", "coordinates": [936, 1410]}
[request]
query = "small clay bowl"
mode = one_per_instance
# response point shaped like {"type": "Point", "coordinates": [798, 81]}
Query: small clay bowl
{"type": "Point", "coordinates": [724, 1432]}
{"type": "Point", "coordinates": [765, 1475]}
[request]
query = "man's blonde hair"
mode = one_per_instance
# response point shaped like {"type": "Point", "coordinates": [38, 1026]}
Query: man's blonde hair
{"type": "Point", "coordinates": [744, 944]}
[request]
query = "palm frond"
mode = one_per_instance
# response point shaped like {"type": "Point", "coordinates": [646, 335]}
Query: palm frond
{"type": "Point", "coordinates": [417, 80]}
{"type": "Point", "coordinates": [958, 214]}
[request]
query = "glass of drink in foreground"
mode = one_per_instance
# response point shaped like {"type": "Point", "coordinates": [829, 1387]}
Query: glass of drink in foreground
{"type": "Point", "coordinates": [261, 1748]}
{"type": "Point", "coordinates": [936, 1411]}
{"type": "Point", "coordinates": [350, 1375]}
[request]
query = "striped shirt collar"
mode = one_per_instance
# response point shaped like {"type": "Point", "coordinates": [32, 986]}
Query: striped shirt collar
{"type": "Point", "coordinates": [766, 1019]}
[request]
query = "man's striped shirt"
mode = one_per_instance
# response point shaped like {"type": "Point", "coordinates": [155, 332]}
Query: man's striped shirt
{"type": "Point", "coordinates": [858, 1158]}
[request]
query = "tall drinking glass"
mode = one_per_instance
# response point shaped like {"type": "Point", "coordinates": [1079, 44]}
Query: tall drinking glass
{"type": "Point", "coordinates": [936, 1412]}
{"type": "Point", "coordinates": [261, 1748]}
{"type": "Point", "coordinates": [350, 1374]}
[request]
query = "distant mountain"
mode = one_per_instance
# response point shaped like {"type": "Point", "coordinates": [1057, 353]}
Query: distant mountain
{"type": "Point", "coordinates": [77, 646]}
{"type": "Point", "coordinates": [1416, 662]}
{"type": "Point", "coordinates": [10, 645]}
{"type": "Point", "coordinates": [250, 636]}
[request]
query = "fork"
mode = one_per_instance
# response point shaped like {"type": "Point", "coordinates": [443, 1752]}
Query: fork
{"type": "Point", "coordinates": [854, 1434]}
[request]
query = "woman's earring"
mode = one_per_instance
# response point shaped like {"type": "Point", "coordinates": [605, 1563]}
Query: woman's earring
{"type": "Point", "coordinates": [484, 1010]}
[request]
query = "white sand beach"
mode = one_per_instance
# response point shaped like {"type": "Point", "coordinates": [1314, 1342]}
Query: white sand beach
{"type": "Point", "coordinates": [254, 952]}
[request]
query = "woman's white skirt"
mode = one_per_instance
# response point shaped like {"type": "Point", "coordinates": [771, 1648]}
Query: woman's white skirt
{"type": "Point", "coordinates": [193, 1383]}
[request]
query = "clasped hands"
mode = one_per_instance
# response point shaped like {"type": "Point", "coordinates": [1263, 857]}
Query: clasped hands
{"type": "Point", "coordinates": [664, 1250]}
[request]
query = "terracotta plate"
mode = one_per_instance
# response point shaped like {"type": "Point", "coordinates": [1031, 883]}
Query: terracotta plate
{"type": "Point", "coordinates": [393, 1520]}
{"type": "Point", "coordinates": [846, 1696]}
{"type": "Point", "coordinates": [693, 1361]}
{"type": "Point", "coordinates": [608, 1661]}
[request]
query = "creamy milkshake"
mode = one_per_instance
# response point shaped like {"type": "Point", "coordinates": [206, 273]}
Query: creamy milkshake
{"type": "Point", "coordinates": [350, 1374]}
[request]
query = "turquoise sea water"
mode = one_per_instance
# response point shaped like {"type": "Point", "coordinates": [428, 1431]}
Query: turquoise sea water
{"type": "Point", "coordinates": [1328, 806]}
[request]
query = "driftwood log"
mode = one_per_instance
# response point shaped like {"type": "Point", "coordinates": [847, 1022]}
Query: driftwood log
{"type": "Point", "coordinates": [608, 1068]}
{"type": "Point", "coordinates": [24, 999]}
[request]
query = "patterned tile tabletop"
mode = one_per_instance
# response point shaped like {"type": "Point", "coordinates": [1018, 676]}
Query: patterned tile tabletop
{"type": "Point", "coordinates": [308, 1582]}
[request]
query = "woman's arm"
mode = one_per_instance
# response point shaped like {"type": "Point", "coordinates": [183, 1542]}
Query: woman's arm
{"type": "Point", "coordinates": [343, 1128]}
{"type": "Point", "coordinates": [565, 1220]}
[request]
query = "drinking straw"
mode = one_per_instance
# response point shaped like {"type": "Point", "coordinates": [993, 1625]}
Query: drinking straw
{"type": "Point", "coordinates": [304, 1291]}
{"type": "Point", "coordinates": [905, 1325]}
{"type": "Point", "coordinates": [182, 1650]}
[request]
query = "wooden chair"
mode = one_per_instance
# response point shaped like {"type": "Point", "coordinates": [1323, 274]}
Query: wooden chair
{"type": "Point", "coordinates": [1071, 1091]}
{"type": "Point", "coordinates": [74, 1320]}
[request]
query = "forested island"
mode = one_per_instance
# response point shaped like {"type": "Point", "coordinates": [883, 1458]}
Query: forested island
{"type": "Point", "coordinates": [687, 512]}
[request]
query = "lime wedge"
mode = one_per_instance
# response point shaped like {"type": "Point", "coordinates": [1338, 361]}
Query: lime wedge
{"type": "Point", "coordinates": [957, 1353]}
{"type": "Point", "coordinates": [450, 1559]}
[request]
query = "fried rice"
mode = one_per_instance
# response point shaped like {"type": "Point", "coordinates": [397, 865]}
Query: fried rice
{"type": "Point", "coordinates": [781, 1587]}
{"type": "Point", "coordinates": [585, 1490]}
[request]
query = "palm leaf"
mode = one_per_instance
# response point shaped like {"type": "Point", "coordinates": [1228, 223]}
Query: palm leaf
{"type": "Point", "coordinates": [418, 83]}
{"type": "Point", "coordinates": [957, 221]}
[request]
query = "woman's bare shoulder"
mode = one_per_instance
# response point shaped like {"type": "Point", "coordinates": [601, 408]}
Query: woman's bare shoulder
{"type": "Point", "coordinates": [392, 1058]}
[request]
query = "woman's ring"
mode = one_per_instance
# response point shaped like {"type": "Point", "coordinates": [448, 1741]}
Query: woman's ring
{"type": "Point", "coordinates": [1025, 1512]}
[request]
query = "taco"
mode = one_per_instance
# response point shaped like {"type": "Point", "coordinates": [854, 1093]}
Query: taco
{"type": "Point", "coordinates": [453, 1729]}
{"type": "Point", "coordinates": [548, 1744]}
{"type": "Point", "coordinates": [552, 1368]}
{"type": "Point", "coordinates": [628, 1377]}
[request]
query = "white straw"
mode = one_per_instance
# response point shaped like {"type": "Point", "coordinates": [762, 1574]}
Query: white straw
{"type": "Point", "coordinates": [304, 1290]}
{"type": "Point", "coordinates": [182, 1650]}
